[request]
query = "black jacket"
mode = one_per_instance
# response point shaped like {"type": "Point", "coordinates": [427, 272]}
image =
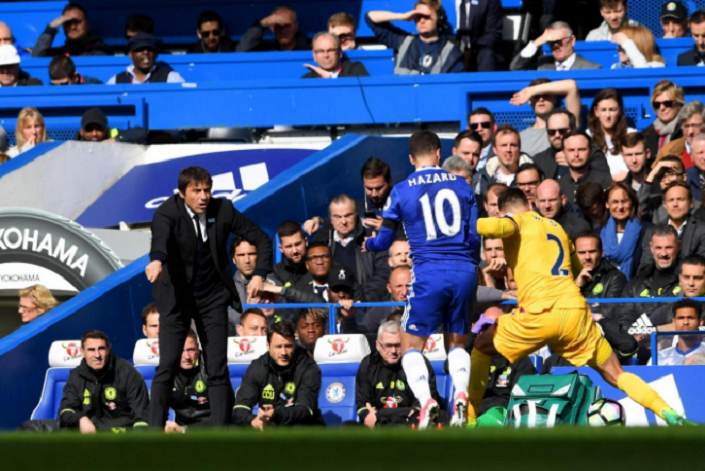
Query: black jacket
{"type": "Point", "coordinates": [305, 285]}
{"type": "Point", "coordinates": [570, 186]}
{"type": "Point", "coordinates": [189, 397]}
{"type": "Point", "coordinates": [572, 224]}
{"type": "Point", "coordinates": [174, 243]}
{"type": "Point", "coordinates": [226, 45]}
{"type": "Point", "coordinates": [691, 57]}
{"type": "Point", "coordinates": [546, 161]}
{"type": "Point", "coordinates": [292, 390]}
{"type": "Point", "coordinates": [503, 377]}
{"type": "Point", "coordinates": [642, 286]}
{"type": "Point", "coordinates": [114, 397]}
{"type": "Point", "coordinates": [24, 79]}
{"type": "Point", "coordinates": [386, 388]}
{"type": "Point", "coordinates": [607, 282]}
{"type": "Point", "coordinates": [651, 138]}
{"type": "Point", "coordinates": [692, 242]}
{"type": "Point", "coordinates": [372, 268]}
{"type": "Point", "coordinates": [91, 45]}
{"type": "Point", "coordinates": [288, 272]}
{"type": "Point", "coordinates": [347, 69]}
{"type": "Point", "coordinates": [486, 19]}
{"type": "Point", "coordinates": [253, 41]}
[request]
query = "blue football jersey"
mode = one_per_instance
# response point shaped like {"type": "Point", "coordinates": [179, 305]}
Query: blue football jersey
{"type": "Point", "coordinates": [439, 213]}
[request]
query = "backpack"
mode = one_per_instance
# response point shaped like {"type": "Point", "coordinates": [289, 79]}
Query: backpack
{"type": "Point", "coordinates": [549, 400]}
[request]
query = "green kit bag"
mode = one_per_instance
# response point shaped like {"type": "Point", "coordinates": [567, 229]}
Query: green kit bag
{"type": "Point", "coordinates": [549, 400]}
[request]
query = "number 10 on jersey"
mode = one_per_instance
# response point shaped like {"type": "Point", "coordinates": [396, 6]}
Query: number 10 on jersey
{"type": "Point", "coordinates": [435, 214]}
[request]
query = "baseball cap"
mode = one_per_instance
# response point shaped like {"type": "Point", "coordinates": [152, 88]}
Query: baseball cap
{"type": "Point", "coordinates": [143, 41]}
{"type": "Point", "coordinates": [674, 10]}
{"type": "Point", "coordinates": [94, 116]}
{"type": "Point", "coordinates": [340, 278]}
{"type": "Point", "coordinates": [8, 55]}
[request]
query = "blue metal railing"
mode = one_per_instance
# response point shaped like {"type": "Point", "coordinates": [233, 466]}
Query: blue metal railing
{"type": "Point", "coordinates": [332, 317]}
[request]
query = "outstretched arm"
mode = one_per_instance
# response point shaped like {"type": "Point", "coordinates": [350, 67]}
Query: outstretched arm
{"type": "Point", "coordinates": [496, 228]}
{"type": "Point", "coordinates": [567, 88]}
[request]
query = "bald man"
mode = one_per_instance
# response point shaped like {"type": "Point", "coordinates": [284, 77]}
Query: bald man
{"type": "Point", "coordinates": [6, 37]}
{"type": "Point", "coordinates": [551, 203]}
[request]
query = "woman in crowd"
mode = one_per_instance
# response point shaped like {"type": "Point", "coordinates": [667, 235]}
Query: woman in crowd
{"type": "Point", "coordinates": [637, 49]}
{"type": "Point", "coordinates": [35, 301]}
{"type": "Point", "coordinates": [607, 125]}
{"type": "Point", "coordinates": [667, 100]}
{"type": "Point", "coordinates": [622, 230]}
{"type": "Point", "coordinates": [30, 131]}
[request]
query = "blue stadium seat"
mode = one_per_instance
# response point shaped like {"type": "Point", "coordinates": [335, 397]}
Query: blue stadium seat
{"type": "Point", "coordinates": [52, 392]}
{"type": "Point", "coordinates": [444, 385]}
{"type": "Point", "coordinates": [337, 397]}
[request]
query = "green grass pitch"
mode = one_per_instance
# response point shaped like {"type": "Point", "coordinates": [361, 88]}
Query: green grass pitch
{"type": "Point", "coordinates": [342, 449]}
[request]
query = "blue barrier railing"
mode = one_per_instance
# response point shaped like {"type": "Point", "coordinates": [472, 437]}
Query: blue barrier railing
{"type": "Point", "coordinates": [332, 317]}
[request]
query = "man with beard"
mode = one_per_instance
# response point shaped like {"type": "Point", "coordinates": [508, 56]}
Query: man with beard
{"type": "Point", "coordinates": [211, 35]}
{"type": "Point", "coordinates": [687, 316]}
{"type": "Point", "coordinates": [292, 244]}
{"type": "Point", "coordinates": [381, 391]}
{"type": "Point", "coordinates": [551, 202]}
{"type": "Point", "coordinates": [598, 278]}
{"type": "Point", "coordinates": [691, 279]}
{"type": "Point", "coordinates": [552, 161]}
{"type": "Point", "coordinates": [144, 50]}
{"type": "Point", "coordinates": [79, 39]}
{"type": "Point", "coordinates": [576, 147]}
{"type": "Point", "coordinates": [659, 280]}
{"type": "Point", "coordinates": [284, 382]}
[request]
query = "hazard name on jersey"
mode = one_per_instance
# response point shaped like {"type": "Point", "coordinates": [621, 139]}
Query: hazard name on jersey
{"type": "Point", "coordinates": [431, 178]}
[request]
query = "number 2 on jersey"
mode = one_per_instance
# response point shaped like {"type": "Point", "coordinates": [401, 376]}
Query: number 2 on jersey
{"type": "Point", "coordinates": [557, 270]}
{"type": "Point", "coordinates": [440, 218]}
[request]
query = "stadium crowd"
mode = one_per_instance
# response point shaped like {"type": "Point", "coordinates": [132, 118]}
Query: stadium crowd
{"type": "Point", "coordinates": [630, 201]}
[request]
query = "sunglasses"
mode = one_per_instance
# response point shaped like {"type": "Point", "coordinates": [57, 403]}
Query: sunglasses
{"type": "Point", "coordinates": [213, 32]}
{"type": "Point", "coordinates": [558, 42]}
{"type": "Point", "coordinates": [666, 103]}
{"type": "Point", "coordinates": [561, 131]}
{"type": "Point", "coordinates": [483, 125]}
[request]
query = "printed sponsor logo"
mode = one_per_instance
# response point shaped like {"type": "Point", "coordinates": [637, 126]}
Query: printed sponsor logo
{"type": "Point", "coordinates": [338, 346]}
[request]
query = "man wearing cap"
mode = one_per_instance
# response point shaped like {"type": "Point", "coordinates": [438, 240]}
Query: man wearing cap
{"type": "Point", "coordinates": [674, 20]}
{"type": "Point", "coordinates": [10, 73]}
{"type": "Point", "coordinates": [144, 50]}
{"type": "Point", "coordinates": [79, 39]}
{"type": "Point", "coordinates": [94, 128]}
{"type": "Point", "coordinates": [695, 56]}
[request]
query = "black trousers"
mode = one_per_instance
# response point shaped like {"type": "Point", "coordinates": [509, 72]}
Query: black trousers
{"type": "Point", "coordinates": [211, 318]}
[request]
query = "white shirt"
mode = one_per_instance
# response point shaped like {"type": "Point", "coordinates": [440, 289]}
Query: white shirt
{"type": "Point", "coordinates": [201, 221]}
{"type": "Point", "coordinates": [680, 229]}
{"type": "Point", "coordinates": [675, 356]}
{"type": "Point", "coordinates": [483, 157]}
{"type": "Point", "coordinates": [566, 64]}
{"type": "Point", "coordinates": [343, 242]}
{"type": "Point", "coordinates": [615, 161]}
{"type": "Point", "coordinates": [502, 178]}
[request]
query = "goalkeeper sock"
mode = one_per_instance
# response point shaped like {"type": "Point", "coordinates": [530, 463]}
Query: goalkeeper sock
{"type": "Point", "coordinates": [642, 393]}
{"type": "Point", "coordinates": [479, 375]}
{"type": "Point", "coordinates": [417, 375]}
{"type": "Point", "coordinates": [459, 369]}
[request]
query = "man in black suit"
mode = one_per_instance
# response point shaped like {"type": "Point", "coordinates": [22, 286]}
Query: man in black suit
{"type": "Point", "coordinates": [190, 269]}
{"type": "Point", "coordinates": [695, 56]}
{"type": "Point", "coordinates": [480, 33]}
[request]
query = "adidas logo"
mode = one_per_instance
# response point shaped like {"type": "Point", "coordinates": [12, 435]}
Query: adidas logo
{"type": "Point", "coordinates": [379, 385]}
{"type": "Point", "coordinates": [642, 325]}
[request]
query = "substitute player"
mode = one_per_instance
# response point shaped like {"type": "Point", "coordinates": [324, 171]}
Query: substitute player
{"type": "Point", "coordinates": [439, 214]}
{"type": "Point", "coordinates": [551, 310]}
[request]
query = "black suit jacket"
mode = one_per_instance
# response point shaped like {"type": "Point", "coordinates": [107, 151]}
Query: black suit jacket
{"type": "Point", "coordinates": [690, 57]}
{"type": "Point", "coordinates": [486, 19]}
{"type": "Point", "coordinates": [174, 243]}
